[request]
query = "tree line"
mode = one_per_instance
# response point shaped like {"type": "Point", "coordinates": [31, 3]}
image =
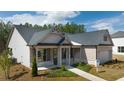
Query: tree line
{"type": "Point", "coordinates": [68, 27]}
{"type": "Point", "coordinates": [5, 29]}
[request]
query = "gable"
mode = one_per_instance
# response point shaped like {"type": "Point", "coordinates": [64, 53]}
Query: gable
{"type": "Point", "coordinates": [106, 36]}
{"type": "Point", "coordinates": [26, 32]}
{"type": "Point", "coordinates": [16, 38]}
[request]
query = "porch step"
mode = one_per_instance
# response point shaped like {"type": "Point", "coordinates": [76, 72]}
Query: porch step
{"type": "Point", "coordinates": [46, 67]}
{"type": "Point", "coordinates": [42, 68]}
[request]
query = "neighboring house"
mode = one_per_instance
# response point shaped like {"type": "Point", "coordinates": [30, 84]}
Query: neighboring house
{"type": "Point", "coordinates": [118, 39]}
{"type": "Point", "coordinates": [51, 47]}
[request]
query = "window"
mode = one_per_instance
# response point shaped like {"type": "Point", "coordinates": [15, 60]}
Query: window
{"type": "Point", "coordinates": [48, 54]}
{"type": "Point", "coordinates": [121, 49]}
{"type": "Point", "coordinates": [75, 52]}
{"type": "Point", "coordinates": [44, 55]}
{"type": "Point", "coordinates": [55, 53]}
{"type": "Point", "coordinates": [105, 38]}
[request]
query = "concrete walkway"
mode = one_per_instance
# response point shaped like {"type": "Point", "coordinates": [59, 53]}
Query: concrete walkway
{"type": "Point", "coordinates": [84, 74]}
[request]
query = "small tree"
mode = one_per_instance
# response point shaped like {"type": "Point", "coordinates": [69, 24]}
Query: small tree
{"type": "Point", "coordinates": [5, 63]}
{"type": "Point", "coordinates": [63, 68]}
{"type": "Point", "coordinates": [34, 68]}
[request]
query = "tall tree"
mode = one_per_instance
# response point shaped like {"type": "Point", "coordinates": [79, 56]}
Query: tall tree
{"type": "Point", "coordinates": [45, 27]}
{"type": "Point", "coordinates": [49, 26]}
{"type": "Point", "coordinates": [28, 24]}
{"type": "Point", "coordinates": [4, 33]}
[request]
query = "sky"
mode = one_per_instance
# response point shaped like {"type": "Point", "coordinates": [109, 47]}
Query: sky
{"type": "Point", "coordinates": [93, 20]}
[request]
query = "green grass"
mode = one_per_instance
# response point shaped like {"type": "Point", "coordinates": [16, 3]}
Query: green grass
{"type": "Point", "coordinates": [83, 66]}
{"type": "Point", "coordinates": [58, 72]}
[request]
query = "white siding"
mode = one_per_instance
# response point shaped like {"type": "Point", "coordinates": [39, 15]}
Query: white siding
{"type": "Point", "coordinates": [89, 55]}
{"type": "Point", "coordinates": [117, 42]}
{"type": "Point", "coordinates": [20, 49]}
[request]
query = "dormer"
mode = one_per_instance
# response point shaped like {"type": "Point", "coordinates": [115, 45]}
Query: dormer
{"type": "Point", "coordinates": [105, 37]}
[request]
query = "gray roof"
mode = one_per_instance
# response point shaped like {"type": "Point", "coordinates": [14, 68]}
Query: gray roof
{"type": "Point", "coordinates": [33, 36]}
{"type": "Point", "coordinates": [37, 37]}
{"type": "Point", "coordinates": [118, 34]}
{"type": "Point", "coordinates": [91, 38]}
{"type": "Point", "coordinates": [30, 34]}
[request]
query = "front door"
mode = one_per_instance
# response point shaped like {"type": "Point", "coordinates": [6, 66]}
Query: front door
{"type": "Point", "coordinates": [65, 56]}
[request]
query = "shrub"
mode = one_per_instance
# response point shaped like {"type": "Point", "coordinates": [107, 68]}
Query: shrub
{"type": "Point", "coordinates": [34, 68]}
{"type": "Point", "coordinates": [5, 63]}
{"type": "Point", "coordinates": [63, 68]}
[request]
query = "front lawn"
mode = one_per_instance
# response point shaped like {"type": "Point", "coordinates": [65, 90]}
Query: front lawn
{"type": "Point", "coordinates": [58, 72]}
{"type": "Point", "coordinates": [21, 73]}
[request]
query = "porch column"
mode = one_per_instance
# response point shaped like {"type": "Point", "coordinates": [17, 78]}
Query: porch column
{"type": "Point", "coordinates": [80, 52]}
{"type": "Point", "coordinates": [60, 56]}
{"type": "Point", "coordinates": [69, 56]}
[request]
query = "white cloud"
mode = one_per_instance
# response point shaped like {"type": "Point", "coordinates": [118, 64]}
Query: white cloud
{"type": "Point", "coordinates": [42, 17]}
{"type": "Point", "coordinates": [109, 23]}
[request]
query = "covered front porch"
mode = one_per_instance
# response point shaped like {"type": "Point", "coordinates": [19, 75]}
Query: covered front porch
{"type": "Point", "coordinates": [49, 56]}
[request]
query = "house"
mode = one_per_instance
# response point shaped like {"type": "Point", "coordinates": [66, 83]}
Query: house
{"type": "Point", "coordinates": [118, 39]}
{"type": "Point", "coordinates": [51, 47]}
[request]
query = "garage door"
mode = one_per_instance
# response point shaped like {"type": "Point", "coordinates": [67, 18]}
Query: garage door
{"type": "Point", "coordinates": [104, 56]}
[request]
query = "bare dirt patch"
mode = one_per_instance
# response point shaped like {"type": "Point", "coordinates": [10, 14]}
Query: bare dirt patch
{"type": "Point", "coordinates": [119, 57]}
{"type": "Point", "coordinates": [110, 71]}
